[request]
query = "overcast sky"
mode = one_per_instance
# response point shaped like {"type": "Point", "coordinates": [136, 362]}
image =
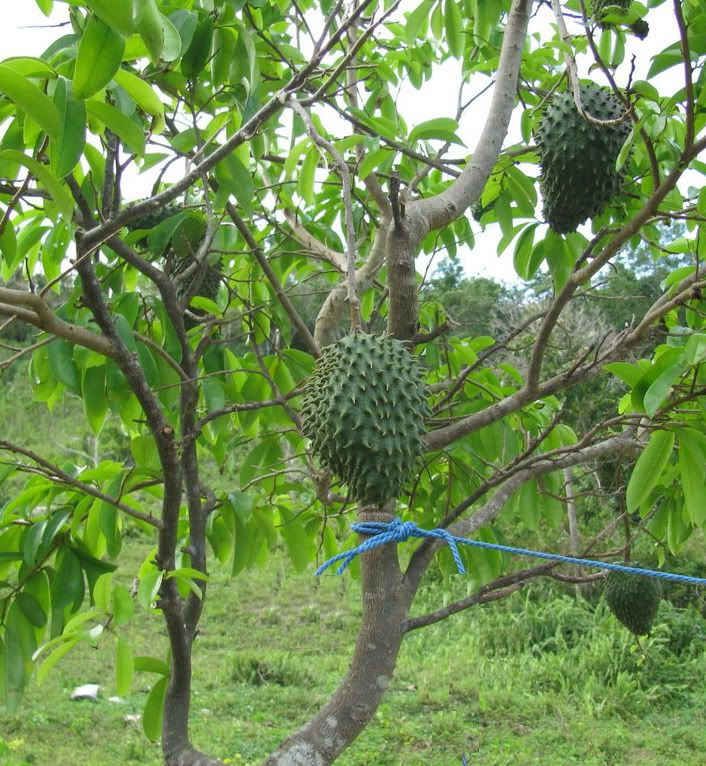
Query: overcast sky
{"type": "Point", "coordinates": [26, 32]}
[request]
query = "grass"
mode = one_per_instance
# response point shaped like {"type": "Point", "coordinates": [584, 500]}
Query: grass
{"type": "Point", "coordinates": [543, 678]}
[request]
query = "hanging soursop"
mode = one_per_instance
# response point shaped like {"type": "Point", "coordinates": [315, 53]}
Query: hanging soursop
{"type": "Point", "coordinates": [578, 158]}
{"type": "Point", "coordinates": [364, 410]}
{"type": "Point", "coordinates": [601, 8]}
{"type": "Point", "coordinates": [633, 599]}
{"type": "Point", "coordinates": [146, 222]}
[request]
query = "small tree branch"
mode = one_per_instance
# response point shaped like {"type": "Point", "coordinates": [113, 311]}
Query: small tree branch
{"type": "Point", "coordinates": [345, 176]}
{"type": "Point", "coordinates": [573, 74]}
{"type": "Point", "coordinates": [268, 271]}
{"type": "Point", "coordinates": [53, 472]}
{"type": "Point", "coordinates": [31, 308]}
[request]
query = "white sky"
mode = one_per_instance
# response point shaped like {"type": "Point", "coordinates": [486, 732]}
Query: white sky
{"type": "Point", "coordinates": [26, 32]}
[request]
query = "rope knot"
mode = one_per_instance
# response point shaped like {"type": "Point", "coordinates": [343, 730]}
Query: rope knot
{"type": "Point", "coordinates": [403, 530]}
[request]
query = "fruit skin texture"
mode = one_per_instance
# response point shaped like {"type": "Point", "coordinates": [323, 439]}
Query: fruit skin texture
{"type": "Point", "coordinates": [578, 158]}
{"type": "Point", "coordinates": [178, 255]}
{"type": "Point", "coordinates": [633, 599]}
{"type": "Point", "coordinates": [363, 409]}
{"type": "Point", "coordinates": [598, 8]}
{"type": "Point", "coordinates": [598, 11]}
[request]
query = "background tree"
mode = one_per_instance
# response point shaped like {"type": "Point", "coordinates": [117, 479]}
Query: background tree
{"type": "Point", "coordinates": [281, 159]}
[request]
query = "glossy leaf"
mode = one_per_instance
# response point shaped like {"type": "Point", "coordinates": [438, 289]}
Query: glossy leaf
{"type": "Point", "coordinates": [692, 460]}
{"type": "Point", "coordinates": [124, 127]}
{"type": "Point", "coordinates": [198, 53]}
{"type": "Point", "coordinates": [154, 710]}
{"type": "Point", "coordinates": [67, 151]}
{"type": "Point", "coordinates": [140, 91]}
{"type": "Point", "coordinates": [648, 469]}
{"type": "Point", "coordinates": [124, 667]}
{"type": "Point", "coordinates": [441, 128]}
{"type": "Point", "coordinates": [30, 99]}
{"type": "Point", "coordinates": [95, 401]}
{"type": "Point", "coordinates": [53, 185]}
{"type": "Point", "coordinates": [148, 22]}
{"type": "Point", "coordinates": [116, 14]}
{"type": "Point", "coordinates": [99, 55]}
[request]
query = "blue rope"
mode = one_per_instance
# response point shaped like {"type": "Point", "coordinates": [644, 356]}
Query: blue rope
{"type": "Point", "coordinates": [397, 531]}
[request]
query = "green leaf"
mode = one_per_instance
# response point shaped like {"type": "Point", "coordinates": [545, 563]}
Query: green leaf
{"type": "Point", "coordinates": [243, 188]}
{"type": "Point", "coordinates": [172, 40]}
{"type": "Point", "coordinates": [99, 55]}
{"type": "Point", "coordinates": [305, 182]}
{"type": "Point", "coordinates": [417, 19]}
{"type": "Point", "coordinates": [45, 6]}
{"type": "Point", "coordinates": [696, 347]}
{"type": "Point", "coordinates": [660, 388]}
{"type": "Point", "coordinates": [62, 365]}
{"type": "Point", "coordinates": [126, 129]}
{"type": "Point", "coordinates": [67, 151]}
{"type": "Point", "coordinates": [148, 22]}
{"type": "Point", "coordinates": [224, 43]}
{"type": "Point", "coordinates": [298, 543]}
{"type": "Point", "coordinates": [196, 56]}
{"type": "Point", "coordinates": [442, 128]}
{"type": "Point", "coordinates": [453, 23]}
{"type": "Point", "coordinates": [648, 469]}
{"type": "Point", "coordinates": [523, 251]}
{"type": "Point", "coordinates": [95, 401]}
{"type": "Point", "coordinates": [373, 160]}
{"type": "Point", "coordinates": [154, 710]}
{"type": "Point", "coordinates": [8, 244]}
{"type": "Point", "coordinates": [529, 505]}
{"type": "Point", "coordinates": [691, 469]}
{"type": "Point", "coordinates": [140, 91]}
{"type": "Point", "coordinates": [115, 13]}
{"type": "Point", "coordinates": [28, 66]}
{"type": "Point", "coordinates": [31, 609]}
{"type": "Point", "coordinates": [124, 667]}
{"type": "Point", "coordinates": [630, 374]}
{"type": "Point", "coordinates": [53, 185]}
{"type": "Point", "coordinates": [68, 587]}
{"type": "Point", "coordinates": [151, 665]}
{"type": "Point", "coordinates": [30, 100]}
{"type": "Point", "coordinates": [144, 450]}
{"type": "Point", "coordinates": [123, 605]}
{"type": "Point", "coordinates": [54, 657]}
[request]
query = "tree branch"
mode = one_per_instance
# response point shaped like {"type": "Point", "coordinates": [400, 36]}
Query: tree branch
{"type": "Point", "coordinates": [55, 473]}
{"type": "Point", "coordinates": [345, 176]}
{"type": "Point", "coordinates": [31, 308]}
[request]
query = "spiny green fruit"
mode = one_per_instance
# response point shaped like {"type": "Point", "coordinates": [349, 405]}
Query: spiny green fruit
{"type": "Point", "coordinates": [578, 158]}
{"type": "Point", "coordinates": [633, 599]}
{"type": "Point", "coordinates": [601, 8]}
{"type": "Point", "coordinates": [149, 220]}
{"type": "Point", "coordinates": [210, 282]}
{"type": "Point", "coordinates": [363, 409]}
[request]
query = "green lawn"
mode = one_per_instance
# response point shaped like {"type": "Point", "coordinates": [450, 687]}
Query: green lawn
{"type": "Point", "coordinates": [541, 679]}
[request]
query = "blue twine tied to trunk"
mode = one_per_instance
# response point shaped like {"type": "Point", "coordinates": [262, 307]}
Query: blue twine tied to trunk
{"type": "Point", "coordinates": [397, 531]}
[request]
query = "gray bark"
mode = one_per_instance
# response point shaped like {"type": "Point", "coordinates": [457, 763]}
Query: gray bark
{"type": "Point", "coordinates": [385, 606]}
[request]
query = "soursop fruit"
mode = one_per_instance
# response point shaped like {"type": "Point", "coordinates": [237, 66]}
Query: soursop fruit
{"type": "Point", "coordinates": [601, 8]}
{"type": "Point", "coordinates": [363, 409]}
{"type": "Point", "coordinates": [633, 599]}
{"type": "Point", "coordinates": [577, 158]}
{"type": "Point", "coordinates": [148, 221]}
{"type": "Point", "coordinates": [178, 244]}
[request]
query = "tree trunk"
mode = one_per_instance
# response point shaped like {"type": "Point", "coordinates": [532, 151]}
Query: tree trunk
{"type": "Point", "coordinates": [385, 604]}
